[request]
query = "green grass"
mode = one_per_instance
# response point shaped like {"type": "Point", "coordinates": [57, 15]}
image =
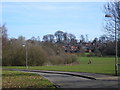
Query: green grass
{"type": "Point", "coordinates": [17, 79]}
{"type": "Point", "coordinates": [103, 65]}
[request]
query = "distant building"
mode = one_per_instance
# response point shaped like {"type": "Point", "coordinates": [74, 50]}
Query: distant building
{"type": "Point", "coordinates": [76, 48]}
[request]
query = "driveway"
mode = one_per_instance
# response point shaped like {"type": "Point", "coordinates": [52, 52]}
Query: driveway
{"type": "Point", "coordinates": [77, 80]}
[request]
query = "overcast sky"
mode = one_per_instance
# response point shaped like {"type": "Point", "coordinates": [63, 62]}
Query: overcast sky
{"type": "Point", "coordinates": [40, 18]}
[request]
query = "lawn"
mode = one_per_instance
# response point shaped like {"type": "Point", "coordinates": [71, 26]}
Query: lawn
{"type": "Point", "coordinates": [17, 79]}
{"type": "Point", "coordinates": [103, 65]}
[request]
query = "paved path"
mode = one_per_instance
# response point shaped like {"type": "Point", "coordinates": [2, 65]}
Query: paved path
{"type": "Point", "coordinates": [77, 80]}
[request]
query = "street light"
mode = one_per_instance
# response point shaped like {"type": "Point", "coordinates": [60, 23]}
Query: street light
{"type": "Point", "coordinates": [25, 45]}
{"type": "Point", "coordinates": [116, 50]}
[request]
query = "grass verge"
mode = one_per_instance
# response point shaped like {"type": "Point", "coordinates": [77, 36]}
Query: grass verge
{"type": "Point", "coordinates": [17, 79]}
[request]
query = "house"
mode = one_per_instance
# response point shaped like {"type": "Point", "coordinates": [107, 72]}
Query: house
{"type": "Point", "coordinates": [87, 47]}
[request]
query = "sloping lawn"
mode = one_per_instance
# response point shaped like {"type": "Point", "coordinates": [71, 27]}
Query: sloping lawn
{"type": "Point", "coordinates": [16, 79]}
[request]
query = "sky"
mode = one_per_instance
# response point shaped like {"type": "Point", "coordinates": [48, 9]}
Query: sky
{"type": "Point", "coordinates": [40, 18]}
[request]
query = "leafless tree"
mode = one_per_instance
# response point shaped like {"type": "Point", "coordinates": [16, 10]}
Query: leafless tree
{"type": "Point", "coordinates": [82, 38]}
{"type": "Point", "coordinates": [112, 10]}
{"type": "Point", "coordinates": [48, 38]}
{"type": "Point", "coordinates": [66, 38]}
{"type": "Point", "coordinates": [59, 36]}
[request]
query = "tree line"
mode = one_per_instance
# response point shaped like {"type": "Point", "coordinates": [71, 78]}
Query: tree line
{"type": "Point", "coordinates": [59, 37]}
{"type": "Point", "coordinates": [102, 46]}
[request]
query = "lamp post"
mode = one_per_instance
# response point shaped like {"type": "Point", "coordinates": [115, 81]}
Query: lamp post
{"type": "Point", "coordinates": [26, 49]}
{"type": "Point", "coordinates": [116, 47]}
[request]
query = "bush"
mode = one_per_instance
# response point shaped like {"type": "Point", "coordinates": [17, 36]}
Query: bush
{"type": "Point", "coordinates": [62, 59]}
{"type": "Point", "coordinates": [38, 54]}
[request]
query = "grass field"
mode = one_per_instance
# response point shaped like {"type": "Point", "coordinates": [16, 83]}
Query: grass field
{"type": "Point", "coordinates": [16, 79]}
{"type": "Point", "coordinates": [103, 65]}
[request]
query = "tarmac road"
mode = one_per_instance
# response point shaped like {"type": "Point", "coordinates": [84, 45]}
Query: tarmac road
{"type": "Point", "coordinates": [77, 80]}
{"type": "Point", "coordinates": [68, 81]}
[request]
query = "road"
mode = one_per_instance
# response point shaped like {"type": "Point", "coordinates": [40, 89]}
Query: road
{"type": "Point", "coordinates": [72, 80]}
{"type": "Point", "coordinates": [68, 81]}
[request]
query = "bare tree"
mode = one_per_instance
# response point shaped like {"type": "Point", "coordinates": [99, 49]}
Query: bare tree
{"type": "Point", "coordinates": [45, 38]}
{"type": "Point", "coordinates": [112, 10]}
{"type": "Point", "coordinates": [59, 36]}
{"type": "Point", "coordinates": [82, 38]}
{"type": "Point", "coordinates": [4, 35]}
{"type": "Point", "coordinates": [103, 39]}
{"type": "Point", "coordinates": [21, 39]}
{"type": "Point", "coordinates": [72, 39]}
{"type": "Point", "coordinates": [49, 38]}
{"type": "Point", "coordinates": [66, 38]}
{"type": "Point", "coordinates": [71, 36]}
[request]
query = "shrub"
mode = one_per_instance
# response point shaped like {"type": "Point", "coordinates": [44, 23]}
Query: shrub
{"type": "Point", "coordinates": [38, 54]}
